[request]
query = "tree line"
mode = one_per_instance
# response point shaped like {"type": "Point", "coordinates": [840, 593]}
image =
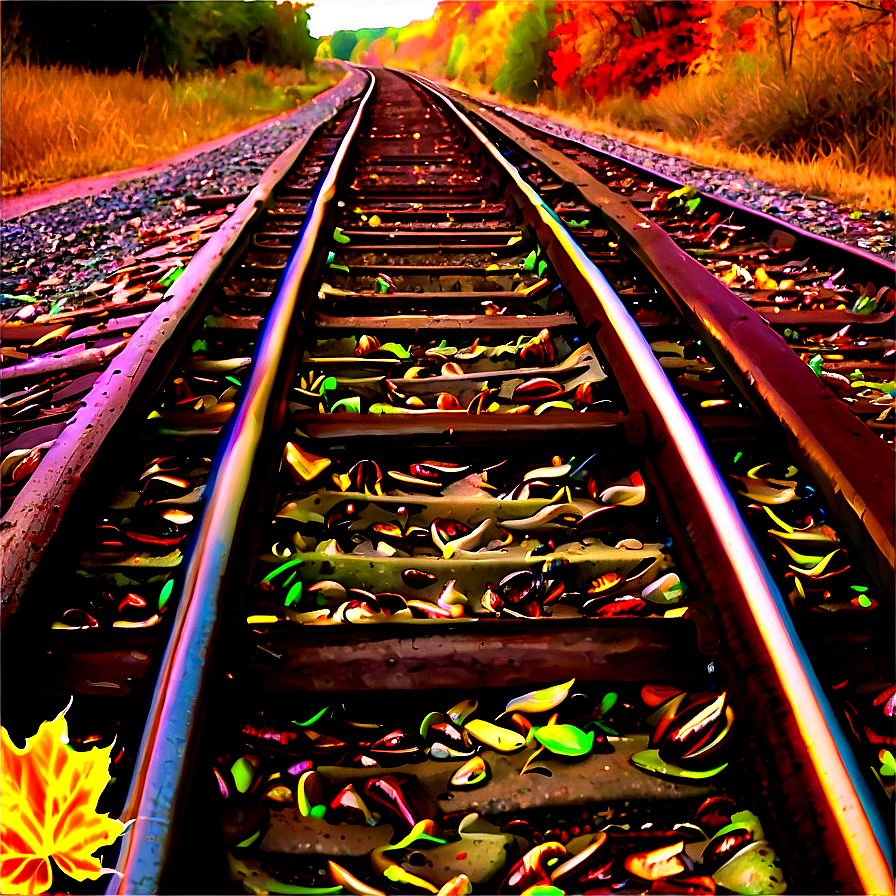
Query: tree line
{"type": "Point", "coordinates": [157, 38]}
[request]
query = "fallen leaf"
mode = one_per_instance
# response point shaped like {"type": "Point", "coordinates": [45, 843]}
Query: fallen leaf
{"type": "Point", "coordinates": [48, 809]}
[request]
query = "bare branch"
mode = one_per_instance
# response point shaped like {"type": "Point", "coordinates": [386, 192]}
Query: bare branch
{"type": "Point", "coordinates": [879, 9]}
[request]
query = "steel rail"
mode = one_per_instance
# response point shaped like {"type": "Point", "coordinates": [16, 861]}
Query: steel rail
{"type": "Point", "coordinates": [37, 511]}
{"type": "Point", "coordinates": [846, 818]}
{"type": "Point", "coordinates": [823, 434]}
{"type": "Point", "coordinates": [172, 727]}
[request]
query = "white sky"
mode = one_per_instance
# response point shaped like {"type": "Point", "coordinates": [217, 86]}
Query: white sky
{"type": "Point", "coordinates": [327, 16]}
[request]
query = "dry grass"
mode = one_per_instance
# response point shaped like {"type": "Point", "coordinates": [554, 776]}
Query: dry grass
{"type": "Point", "coordinates": [826, 128]}
{"type": "Point", "coordinates": [61, 123]}
{"type": "Point", "coordinates": [830, 175]}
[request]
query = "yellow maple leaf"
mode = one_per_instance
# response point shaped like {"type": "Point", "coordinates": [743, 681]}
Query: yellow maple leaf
{"type": "Point", "coordinates": [48, 809]}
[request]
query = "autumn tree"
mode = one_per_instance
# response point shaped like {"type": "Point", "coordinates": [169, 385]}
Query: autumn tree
{"type": "Point", "coordinates": [638, 44]}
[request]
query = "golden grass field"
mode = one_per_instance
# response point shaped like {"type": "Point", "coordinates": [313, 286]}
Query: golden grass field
{"type": "Point", "coordinates": [60, 123]}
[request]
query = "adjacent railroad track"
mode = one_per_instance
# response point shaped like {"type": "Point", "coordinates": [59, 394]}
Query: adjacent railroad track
{"type": "Point", "coordinates": [447, 548]}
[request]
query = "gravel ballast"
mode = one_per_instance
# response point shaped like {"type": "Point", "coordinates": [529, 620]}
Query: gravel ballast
{"type": "Point", "coordinates": [870, 230]}
{"type": "Point", "coordinates": [57, 252]}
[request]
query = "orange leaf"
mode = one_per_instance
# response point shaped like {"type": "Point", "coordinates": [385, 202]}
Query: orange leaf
{"type": "Point", "coordinates": [48, 809]}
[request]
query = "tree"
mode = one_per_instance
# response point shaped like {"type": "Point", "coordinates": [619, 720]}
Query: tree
{"type": "Point", "coordinates": [527, 63]}
{"type": "Point", "coordinates": [637, 44]}
{"type": "Point", "coordinates": [205, 34]}
{"type": "Point", "coordinates": [342, 43]}
{"type": "Point", "coordinates": [93, 35]}
{"type": "Point", "coordinates": [288, 39]}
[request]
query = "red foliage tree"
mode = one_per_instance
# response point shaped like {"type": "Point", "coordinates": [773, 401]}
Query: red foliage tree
{"type": "Point", "coordinates": [610, 47]}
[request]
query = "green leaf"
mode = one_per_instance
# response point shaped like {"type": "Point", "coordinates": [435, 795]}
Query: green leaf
{"type": "Point", "coordinates": [565, 740]}
{"type": "Point", "coordinates": [685, 192]}
{"type": "Point", "coordinates": [865, 305]}
{"type": "Point", "coordinates": [398, 350]}
{"type": "Point", "coordinates": [752, 871]}
{"type": "Point", "coordinates": [200, 345]}
{"type": "Point", "coordinates": [542, 267]}
{"type": "Point", "coordinates": [692, 204]}
{"type": "Point", "coordinates": [420, 831]}
{"type": "Point", "coordinates": [340, 267]}
{"type": "Point", "coordinates": [888, 764]}
{"type": "Point", "coordinates": [599, 726]}
{"type": "Point", "coordinates": [650, 761]}
{"type": "Point", "coordinates": [290, 564]}
{"type": "Point", "coordinates": [250, 839]}
{"type": "Point", "coordinates": [854, 216]}
{"type": "Point", "coordinates": [340, 237]}
{"type": "Point", "coordinates": [887, 386]}
{"type": "Point", "coordinates": [529, 262]}
{"type": "Point", "coordinates": [746, 821]}
{"type": "Point", "coordinates": [381, 408]}
{"type": "Point", "coordinates": [171, 276]}
{"type": "Point", "coordinates": [564, 405]}
{"type": "Point", "coordinates": [165, 594]}
{"type": "Point", "coordinates": [243, 774]}
{"type": "Point", "coordinates": [816, 364]}
{"type": "Point", "coordinates": [313, 718]}
{"type": "Point", "coordinates": [608, 702]}
{"type": "Point", "coordinates": [294, 595]}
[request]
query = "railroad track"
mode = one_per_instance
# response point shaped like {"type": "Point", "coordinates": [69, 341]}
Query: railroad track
{"type": "Point", "coordinates": [423, 571]}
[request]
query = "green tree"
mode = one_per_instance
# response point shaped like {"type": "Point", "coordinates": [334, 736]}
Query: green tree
{"type": "Point", "coordinates": [289, 42]}
{"type": "Point", "coordinates": [205, 34]}
{"type": "Point", "coordinates": [342, 43]}
{"type": "Point", "coordinates": [528, 64]}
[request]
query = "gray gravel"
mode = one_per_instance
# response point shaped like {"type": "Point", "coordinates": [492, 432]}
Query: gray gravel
{"type": "Point", "coordinates": [80, 242]}
{"type": "Point", "coordinates": [873, 231]}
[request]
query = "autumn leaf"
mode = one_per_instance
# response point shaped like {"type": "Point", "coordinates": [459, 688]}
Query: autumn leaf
{"type": "Point", "coordinates": [48, 809]}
